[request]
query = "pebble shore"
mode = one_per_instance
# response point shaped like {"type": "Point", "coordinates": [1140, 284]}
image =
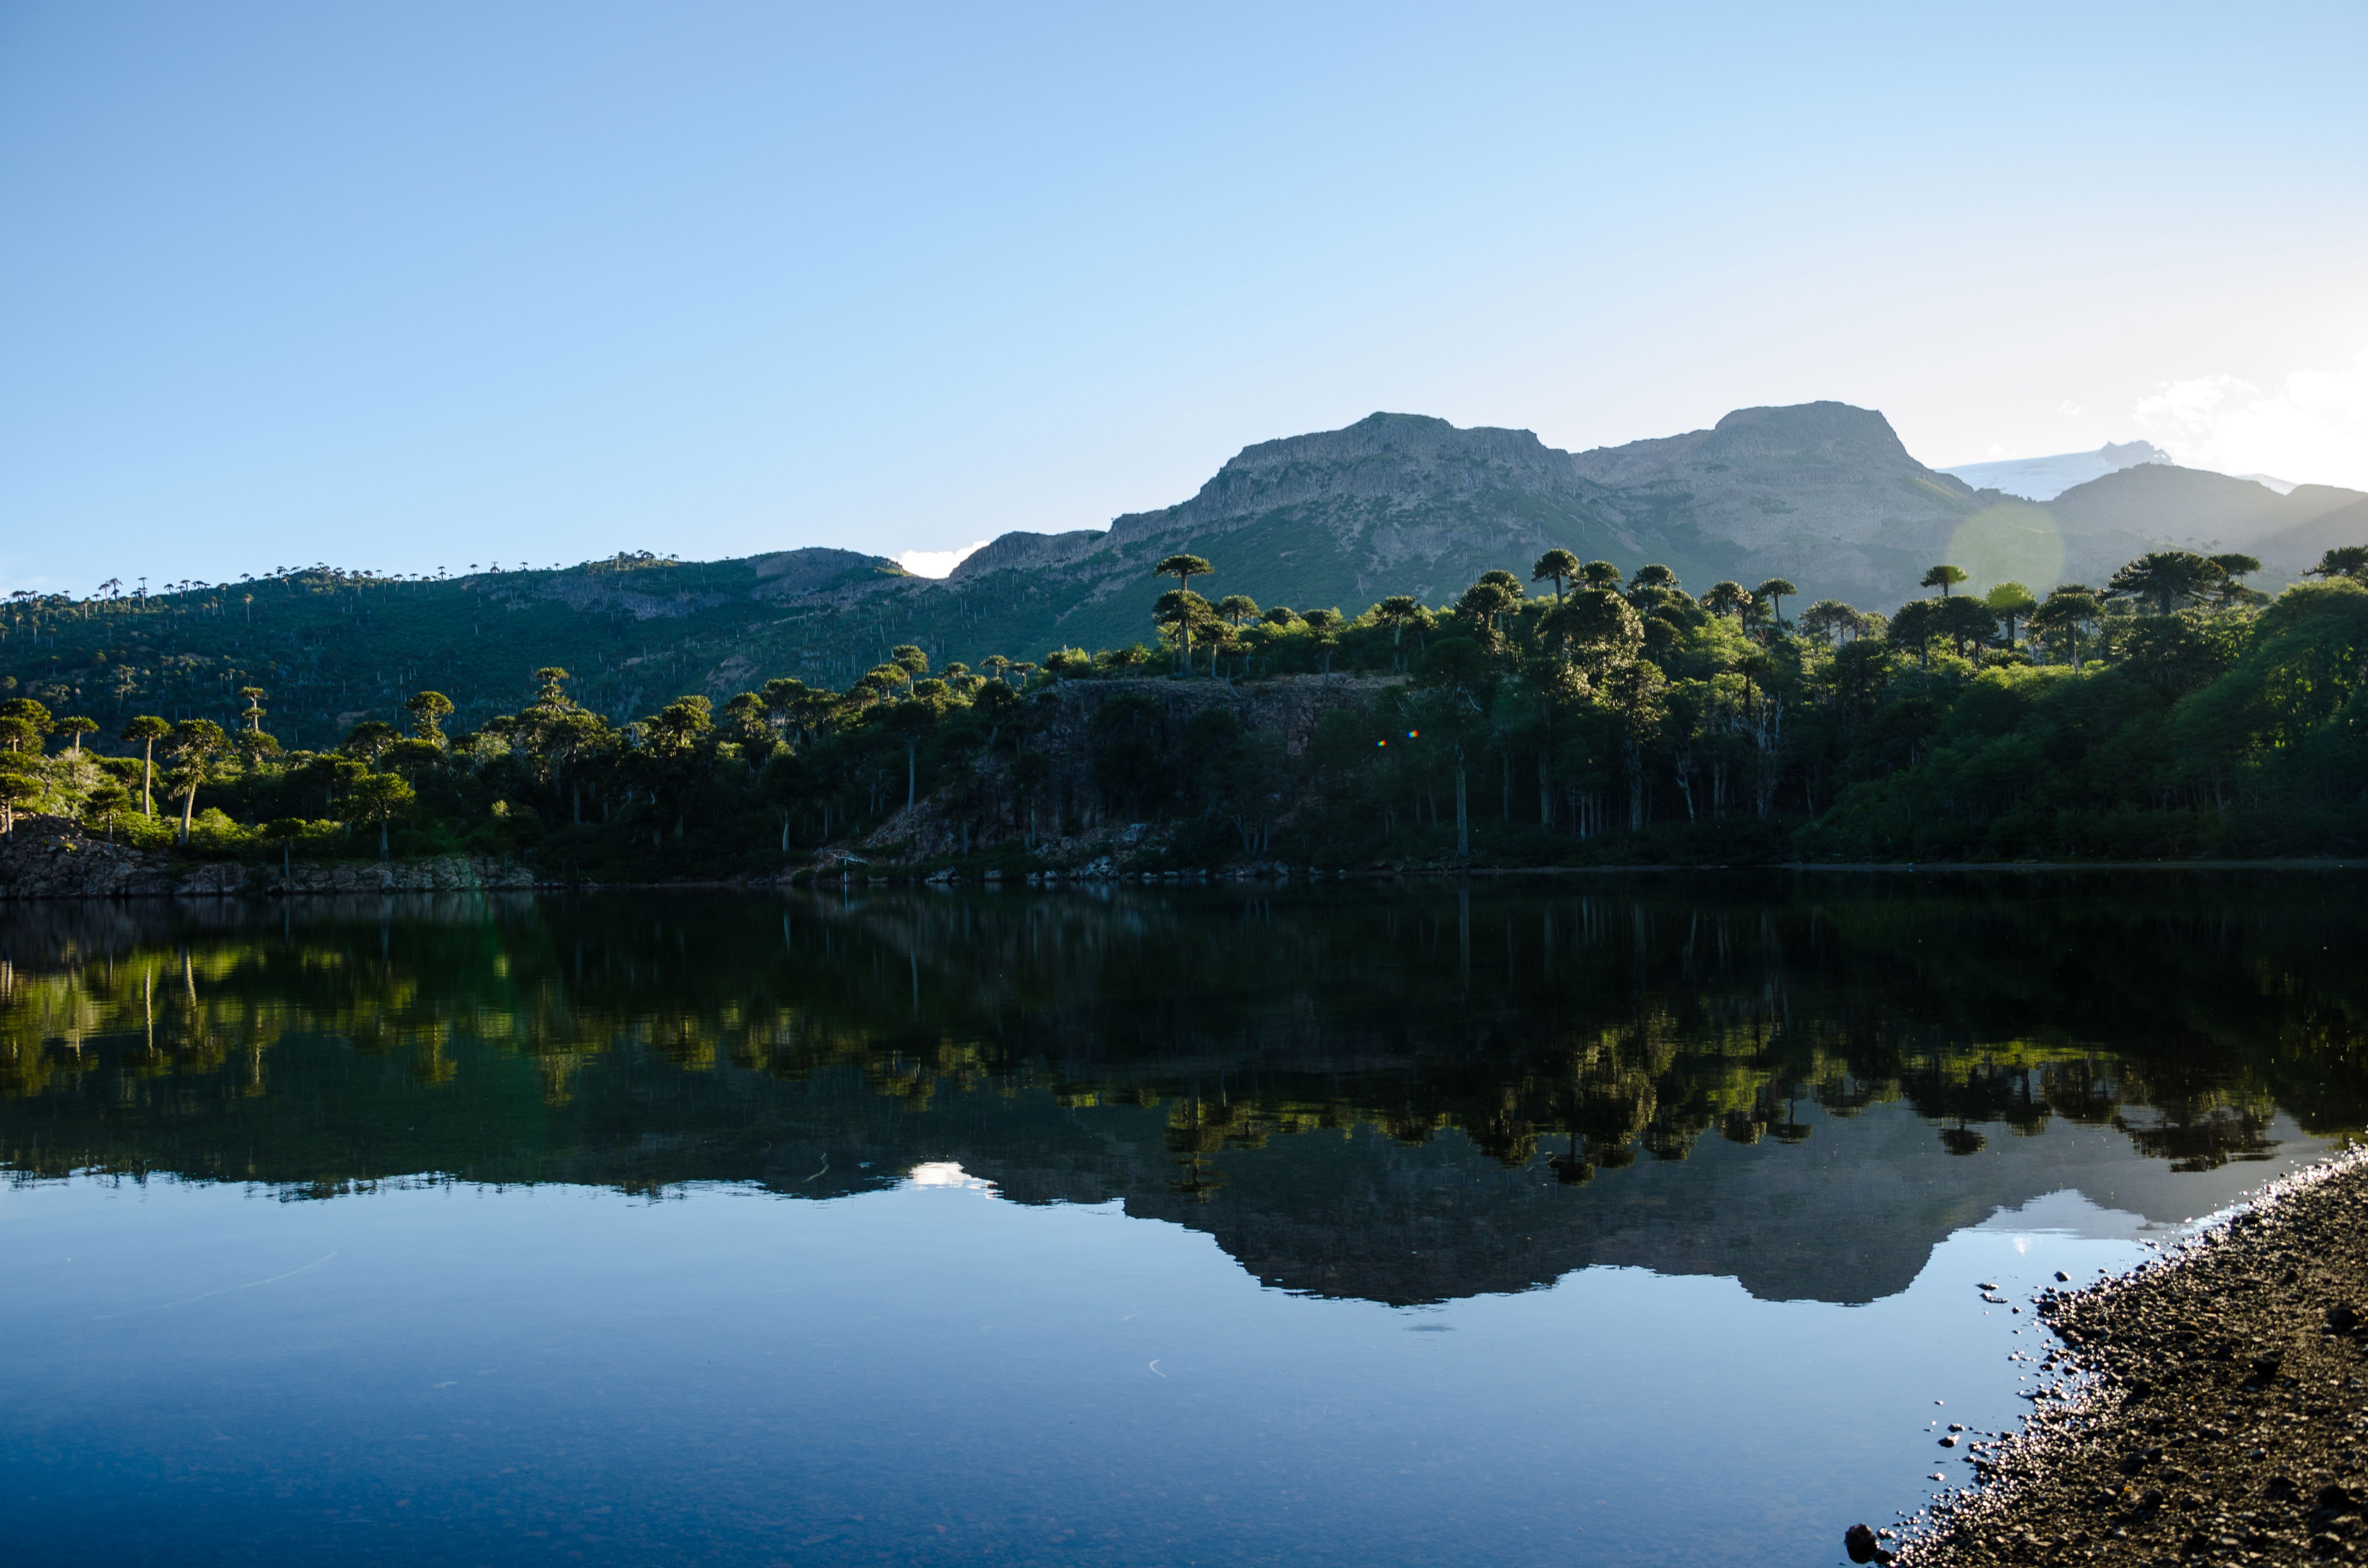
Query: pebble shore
{"type": "Point", "coordinates": [2210, 1407]}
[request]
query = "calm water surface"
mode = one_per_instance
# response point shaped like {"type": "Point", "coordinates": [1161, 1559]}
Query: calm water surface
{"type": "Point", "coordinates": [1622, 1221]}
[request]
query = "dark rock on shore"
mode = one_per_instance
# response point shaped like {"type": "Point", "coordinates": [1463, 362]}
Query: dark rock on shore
{"type": "Point", "coordinates": [2217, 1407]}
{"type": "Point", "coordinates": [51, 858]}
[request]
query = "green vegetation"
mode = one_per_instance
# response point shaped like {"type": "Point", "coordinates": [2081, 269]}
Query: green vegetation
{"type": "Point", "coordinates": [2173, 714]}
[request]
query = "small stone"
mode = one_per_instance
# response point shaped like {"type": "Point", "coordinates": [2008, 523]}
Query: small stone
{"type": "Point", "coordinates": [1863, 1546]}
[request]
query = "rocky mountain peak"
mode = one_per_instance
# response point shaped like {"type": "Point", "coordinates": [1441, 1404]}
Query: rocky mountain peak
{"type": "Point", "coordinates": [1836, 428]}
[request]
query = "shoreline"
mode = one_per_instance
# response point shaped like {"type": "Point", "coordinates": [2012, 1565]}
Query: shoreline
{"type": "Point", "coordinates": [1043, 882]}
{"type": "Point", "coordinates": [2209, 1407]}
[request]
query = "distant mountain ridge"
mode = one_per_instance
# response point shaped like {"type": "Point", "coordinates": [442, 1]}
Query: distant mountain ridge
{"type": "Point", "coordinates": [2044, 479]}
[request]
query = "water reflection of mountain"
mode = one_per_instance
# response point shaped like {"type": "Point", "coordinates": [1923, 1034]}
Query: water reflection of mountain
{"type": "Point", "coordinates": [1404, 1096]}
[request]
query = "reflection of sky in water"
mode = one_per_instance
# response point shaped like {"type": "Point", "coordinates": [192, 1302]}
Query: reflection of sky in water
{"type": "Point", "coordinates": [456, 1374]}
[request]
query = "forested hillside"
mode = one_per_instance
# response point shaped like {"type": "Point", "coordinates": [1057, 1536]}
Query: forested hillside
{"type": "Point", "coordinates": [1823, 494]}
{"type": "Point", "coordinates": [1566, 713]}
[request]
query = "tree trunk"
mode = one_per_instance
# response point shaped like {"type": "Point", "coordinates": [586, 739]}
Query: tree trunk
{"type": "Point", "coordinates": [382, 854]}
{"type": "Point", "coordinates": [188, 810]}
{"type": "Point", "coordinates": [1462, 825]}
{"type": "Point", "coordinates": [147, 780]}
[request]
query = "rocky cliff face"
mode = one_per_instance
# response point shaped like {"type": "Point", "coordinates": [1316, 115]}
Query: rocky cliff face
{"type": "Point", "coordinates": [1823, 493]}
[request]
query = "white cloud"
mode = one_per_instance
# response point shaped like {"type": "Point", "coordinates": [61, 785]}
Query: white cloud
{"type": "Point", "coordinates": [2315, 427]}
{"type": "Point", "coordinates": [934, 563]}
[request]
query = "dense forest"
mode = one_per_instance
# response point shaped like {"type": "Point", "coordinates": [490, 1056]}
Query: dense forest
{"type": "Point", "coordinates": [1573, 713]}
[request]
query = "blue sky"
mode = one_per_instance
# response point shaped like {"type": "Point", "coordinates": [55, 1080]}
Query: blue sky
{"type": "Point", "coordinates": [420, 286]}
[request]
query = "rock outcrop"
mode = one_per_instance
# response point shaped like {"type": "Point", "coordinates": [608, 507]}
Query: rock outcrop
{"type": "Point", "coordinates": [52, 857]}
{"type": "Point", "coordinates": [983, 808]}
{"type": "Point", "coordinates": [49, 857]}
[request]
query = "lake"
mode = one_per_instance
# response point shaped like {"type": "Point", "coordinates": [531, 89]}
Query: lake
{"type": "Point", "coordinates": [1604, 1219]}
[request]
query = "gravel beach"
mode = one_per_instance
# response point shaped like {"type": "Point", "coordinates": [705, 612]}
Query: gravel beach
{"type": "Point", "coordinates": [2213, 1408]}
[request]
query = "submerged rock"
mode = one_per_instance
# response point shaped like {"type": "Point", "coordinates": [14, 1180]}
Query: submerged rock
{"type": "Point", "coordinates": [1861, 1544]}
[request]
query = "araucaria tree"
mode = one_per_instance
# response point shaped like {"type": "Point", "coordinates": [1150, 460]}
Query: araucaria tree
{"type": "Point", "coordinates": [1184, 568]}
{"type": "Point", "coordinates": [193, 744]}
{"type": "Point", "coordinates": [1560, 565]}
{"type": "Point", "coordinates": [145, 732]}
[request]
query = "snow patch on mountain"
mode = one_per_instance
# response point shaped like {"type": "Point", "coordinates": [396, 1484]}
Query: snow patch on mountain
{"type": "Point", "coordinates": [2044, 479]}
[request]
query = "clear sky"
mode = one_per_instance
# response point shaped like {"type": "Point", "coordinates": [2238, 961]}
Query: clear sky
{"type": "Point", "coordinates": [423, 285]}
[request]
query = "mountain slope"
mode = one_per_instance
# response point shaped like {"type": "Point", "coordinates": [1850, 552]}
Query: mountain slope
{"type": "Point", "coordinates": [2108, 520]}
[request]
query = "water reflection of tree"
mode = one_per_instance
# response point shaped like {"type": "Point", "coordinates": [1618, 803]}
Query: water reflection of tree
{"type": "Point", "coordinates": [1596, 1026]}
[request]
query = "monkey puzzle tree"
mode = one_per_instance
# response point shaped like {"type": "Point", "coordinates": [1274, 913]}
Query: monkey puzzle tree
{"type": "Point", "coordinates": [428, 710]}
{"type": "Point", "coordinates": [1486, 600]}
{"type": "Point", "coordinates": [369, 738]}
{"type": "Point", "coordinates": [2069, 611]}
{"type": "Point", "coordinates": [1397, 612]}
{"type": "Point", "coordinates": [32, 722]}
{"type": "Point", "coordinates": [1726, 598]}
{"type": "Point", "coordinates": [1914, 625]}
{"type": "Point", "coordinates": [2344, 560]}
{"type": "Point", "coordinates": [1558, 564]}
{"type": "Point", "coordinates": [1237, 607]}
{"type": "Point", "coordinates": [17, 793]}
{"type": "Point", "coordinates": [1637, 695]}
{"type": "Point", "coordinates": [2165, 576]}
{"type": "Point", "coordinates": [1967, 624]}
{"type": "Point", "coordinates": [1773, 593]}
{"type": "Point", "coordinates": [2010, 602]}
{"type": "Point", "coordinates": [285, 832]}
{"type": "Point", "coordinates": [1184, 568]}
{"type": "Point", "coordinates": [913, 721]}
{"type": "Point", "coordinates": [1178, 613]}
{"type": "Point", "coordinates": [145, 732]}
{"type": "Point", "coordinates": [193, 744]}
{"type": "Point", "coordinates": [74, 727]}
{"type": "Point", "coordinates": [104, 804]}
{"type": "Point", "coordinates": [253, 696]}
{"type": "Point", "coordinates": [379, 797]}
{"type": "Point", "coordinates": [1831, 621]}
{"type": "Point", "coordinates": [2235, 567]}
{"type": "Point", "coordinates": [1600, 574]}
{"type": "Point", "coordinates": [1597, 625]}
{"type": "Point", "coordinates": [1942, 577]}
